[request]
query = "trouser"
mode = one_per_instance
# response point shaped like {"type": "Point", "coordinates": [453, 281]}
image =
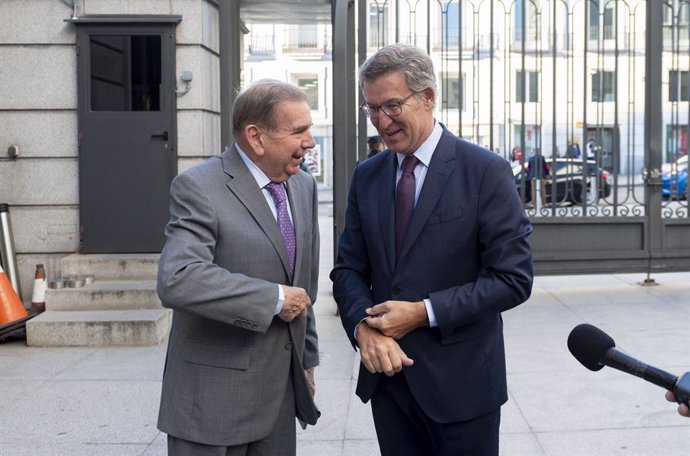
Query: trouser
{"type": "Point", "coordinates": [403, 429]}
{"type": "Point", "coordinates": [280, 442]}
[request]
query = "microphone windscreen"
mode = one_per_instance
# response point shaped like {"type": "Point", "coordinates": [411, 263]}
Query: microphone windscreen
{"type": "Point", "coordinates": [588, 344]}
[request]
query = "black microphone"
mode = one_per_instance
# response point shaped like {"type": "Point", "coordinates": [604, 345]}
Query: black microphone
{"type": "Point", "coordinates": [594, 349]}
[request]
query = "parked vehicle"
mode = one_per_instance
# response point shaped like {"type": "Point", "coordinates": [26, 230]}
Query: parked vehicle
{"type": "Point", "coordinates": [674, 179]}
{"type": "Point", "coordinates": [568, 176]}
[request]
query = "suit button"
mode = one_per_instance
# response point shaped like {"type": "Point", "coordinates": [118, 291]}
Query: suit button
{"type": "Point", "coordinates": [396, 290]}
{"type": "Point", "coordinates": [288, 346]}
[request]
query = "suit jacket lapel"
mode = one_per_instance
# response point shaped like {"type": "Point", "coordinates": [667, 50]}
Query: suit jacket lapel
{"type": "Point", "coordinates": [386, 213]}
{"type": "Point", "coordinates": [243, 185]}
{"type": "Point", "coordinates": [440, 169]}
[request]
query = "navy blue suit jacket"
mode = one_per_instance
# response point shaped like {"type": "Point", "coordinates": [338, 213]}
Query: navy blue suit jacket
{"type": "Point", "coordinates": [466, 250]}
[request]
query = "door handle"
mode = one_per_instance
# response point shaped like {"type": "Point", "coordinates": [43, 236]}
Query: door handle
{"type": "Point", "coordinates": [163, 135]}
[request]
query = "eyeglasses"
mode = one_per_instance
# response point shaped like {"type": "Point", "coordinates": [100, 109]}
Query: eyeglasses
{"type": "Point", "coordinates": [391, 108]}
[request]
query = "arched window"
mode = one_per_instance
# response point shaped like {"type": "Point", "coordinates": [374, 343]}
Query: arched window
{"type": "Point", "coordinates": [529, 10]}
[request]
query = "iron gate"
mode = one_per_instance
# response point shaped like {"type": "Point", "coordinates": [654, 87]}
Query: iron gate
{"type": "Point", "coordinates": [589, 100]}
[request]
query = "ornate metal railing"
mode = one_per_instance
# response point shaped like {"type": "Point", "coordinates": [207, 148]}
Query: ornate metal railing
{"type": "Point", "coordinates": [555, 80]}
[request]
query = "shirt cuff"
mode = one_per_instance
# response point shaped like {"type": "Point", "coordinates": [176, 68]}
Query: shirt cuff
{"type": "Point", "coordinates": [430, 313]}
{"type": "Point", "coordinates": [281, 300]}
{"type": "Point", "coordinates": [356, 327]}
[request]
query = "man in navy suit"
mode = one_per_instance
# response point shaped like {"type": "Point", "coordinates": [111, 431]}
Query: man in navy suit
{"type": "Point", "coordinates": [422, 300]}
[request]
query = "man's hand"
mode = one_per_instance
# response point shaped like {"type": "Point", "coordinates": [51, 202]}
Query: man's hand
{"type": "Point", "coordinates": [682, 408]}
{"type": "Point", "coordinates": [397, 318]}
{"type": "Point", "coordinates": [295, 303]}
{"type": "Point", "coordinates": [309, 373]}
{"type": "Point", "coordinates": [380, 353]}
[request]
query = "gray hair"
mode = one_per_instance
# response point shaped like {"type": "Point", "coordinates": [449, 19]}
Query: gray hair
{"type": "Point", "coordinates": [413, 62]}
{"type": "Point", "coordinates": [256, 104]}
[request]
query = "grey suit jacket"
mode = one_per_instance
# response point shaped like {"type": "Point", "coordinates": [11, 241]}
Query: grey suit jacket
{"type": "Point", "coordinates": [228, 356]}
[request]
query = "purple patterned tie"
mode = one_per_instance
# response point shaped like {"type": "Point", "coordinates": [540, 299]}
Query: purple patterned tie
{"type": "Point", "coordinates": [284, 223]}
{"type": "Point", "coordinates": [404, 200]}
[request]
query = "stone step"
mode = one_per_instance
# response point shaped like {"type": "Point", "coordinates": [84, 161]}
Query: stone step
{"type": "Point", "coordinates": [124, 266]}
{"type": "Point", "coordinates": [105, 295]}
{"type": "Point", "coordinates": [98, 328]}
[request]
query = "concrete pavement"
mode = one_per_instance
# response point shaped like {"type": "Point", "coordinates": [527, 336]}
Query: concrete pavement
{"type": "Point", "coordinates": [104, 401]}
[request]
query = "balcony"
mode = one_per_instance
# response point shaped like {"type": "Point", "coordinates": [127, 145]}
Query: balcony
{"type": "Point", "coordinates": [307, 12]}
{"type": "Point", "coordinates": [262, 45]}
{"type": "Point", "coordinates": [307, 40]}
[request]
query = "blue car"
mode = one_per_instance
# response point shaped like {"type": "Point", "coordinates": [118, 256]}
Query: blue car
{"type": "Point", "coordinates": [674, 179]}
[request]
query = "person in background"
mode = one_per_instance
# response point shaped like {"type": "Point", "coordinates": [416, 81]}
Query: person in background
{"type": "Point", "coordinates": [537, 167]}
{"type": "Point", "coordinates": [593, 149]}
{"type": "Point", "coordinates": [240, 271]}
{"type": "Point", "coordinates": [375, 145]}
{"type": "Point", "coordinates": [433, 250]}
{"type": "Point", "coordinates": [516, 154]}
{"type": "Point", "coordinates": [573, 151]}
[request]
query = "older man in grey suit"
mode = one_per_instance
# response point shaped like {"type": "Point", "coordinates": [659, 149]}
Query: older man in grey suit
{"type": "Point", "coordinates": [240, 270]}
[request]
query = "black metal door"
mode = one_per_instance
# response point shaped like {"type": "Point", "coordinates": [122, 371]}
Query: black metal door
{"type": "Point", "coordinates": [127, 135]}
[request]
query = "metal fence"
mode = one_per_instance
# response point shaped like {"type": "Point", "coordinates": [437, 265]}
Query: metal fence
{"type": "Point", "coordinates": [594, 124]}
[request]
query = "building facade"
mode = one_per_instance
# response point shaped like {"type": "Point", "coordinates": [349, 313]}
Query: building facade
{"type": "Point", "coordinates": [302, 55]}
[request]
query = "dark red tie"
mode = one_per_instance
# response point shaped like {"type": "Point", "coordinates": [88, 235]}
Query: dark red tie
{"type": "Point", "coordinates": [404, 201]}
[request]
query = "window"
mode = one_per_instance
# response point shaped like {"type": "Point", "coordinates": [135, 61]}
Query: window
{"type": "Point", "coordinates": [262, 39]}
{"type": "Point", "coordinates": [450, 29]}
{"type": "Point", "coordinates": [527, 88]}
{"type": "Point", "coordinates": [125, 72]}
{"type": "Point", "coordinates": [593, 20]}
{"type": "Point", "coordinates": [303, 36]}
{"type": "Point", "coordinates": [609, 31]}
{"type": "Point", "coordinates": [530, 11]}
{"type": "Point", "coordinates": [604, 11]}
{"type": "Point", "coordinates": [677, 85]}
{"type": "Point", "coordinates": [452, 95]}
{"type": "Point", "coordinates": [309, 84]}
{"type": "Point", "coordinates": [676, 16]}
{"type": "Point", "coordinates": [603, 86]}
{"type": "Point", "coordinates": [672, 8]}
{"type": "Point", "coordinates": [378, 20]}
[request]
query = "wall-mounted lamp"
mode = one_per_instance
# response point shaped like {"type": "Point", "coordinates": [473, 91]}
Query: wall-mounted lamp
{"type": "Point", "coordinates": [13, 151]}
{"type": "Point", "coordinates": [186, 78]}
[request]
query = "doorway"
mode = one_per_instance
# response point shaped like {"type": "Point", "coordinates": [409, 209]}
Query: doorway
{"type": "Point", "coordinates": [127, 135]}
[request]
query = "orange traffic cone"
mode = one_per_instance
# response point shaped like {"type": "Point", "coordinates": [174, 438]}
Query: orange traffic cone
{"type": "Point", "coordinates": [11, 308]}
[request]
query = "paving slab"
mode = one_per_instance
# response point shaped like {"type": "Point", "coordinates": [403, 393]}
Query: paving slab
{"type": "Point", "coordinates": [672, 441]}
{"type": "Point", "coordinates": [83, 413]}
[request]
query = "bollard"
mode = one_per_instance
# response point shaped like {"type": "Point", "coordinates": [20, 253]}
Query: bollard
{"type": "Point", "coordinates": [8, 258]}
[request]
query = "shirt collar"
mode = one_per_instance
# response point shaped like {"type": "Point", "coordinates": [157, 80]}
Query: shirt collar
{"type": "Point", "coordinates": [426, 150]}
{"type": "Point", "coordinates": [259, 176]}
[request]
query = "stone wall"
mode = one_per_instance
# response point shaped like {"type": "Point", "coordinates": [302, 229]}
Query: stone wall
{"type": "Point", "coordinates": [38, 112]}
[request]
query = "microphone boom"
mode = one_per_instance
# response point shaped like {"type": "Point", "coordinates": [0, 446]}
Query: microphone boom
{"type": "Point", "coordinates": [594, 349]}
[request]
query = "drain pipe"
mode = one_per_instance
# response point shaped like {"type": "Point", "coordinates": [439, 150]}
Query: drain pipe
{"type": "Point", "coordinates": [7, 254]}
